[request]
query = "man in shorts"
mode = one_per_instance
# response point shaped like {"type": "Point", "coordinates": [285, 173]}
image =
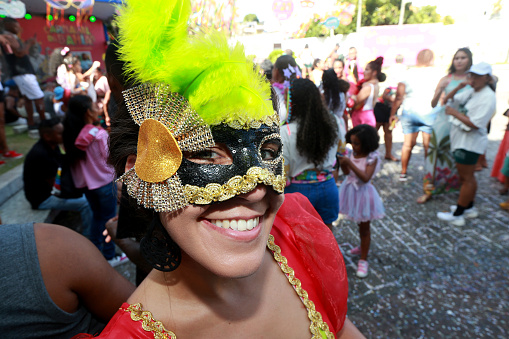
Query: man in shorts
{"type": "Point", "coordinates": [22, 71]}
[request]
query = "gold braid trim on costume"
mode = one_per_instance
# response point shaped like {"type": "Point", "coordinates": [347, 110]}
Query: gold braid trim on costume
{"type": "Point", "coordinates": [236, 185]}
{"type": "Point", "coordinates": [317, 322]}
{"type": "Point", "coordinates": [269, 120]}
{"type": "Point", "coordinates": [148, 323]}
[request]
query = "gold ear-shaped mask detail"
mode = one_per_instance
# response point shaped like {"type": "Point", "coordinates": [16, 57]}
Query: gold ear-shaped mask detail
{"type": "Point", "coordinates": [159, 155]}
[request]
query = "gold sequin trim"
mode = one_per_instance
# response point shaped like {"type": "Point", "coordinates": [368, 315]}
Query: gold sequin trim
{"type": "Point", "coordinates": [148, 323]}
{"type": "Point", "coordinates": [242, 123]}
{"type": "Point", "coordinates": [236, 185]}
{"type": "Point", "coordinates": [158, 102]}
{"type": "Point", "coordinates": [274, 163]}
{"type": "Point", "coordinates": [163, 196]}
{"type": "Point", "coordinates": [317, 322]}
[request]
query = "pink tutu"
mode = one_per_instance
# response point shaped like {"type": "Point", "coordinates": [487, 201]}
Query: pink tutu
{"type": "Point", "coordinates": [359, 201]}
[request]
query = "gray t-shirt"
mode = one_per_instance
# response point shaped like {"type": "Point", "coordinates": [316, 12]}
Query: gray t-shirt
{"type": "Point", "coordinates": [26, 309]}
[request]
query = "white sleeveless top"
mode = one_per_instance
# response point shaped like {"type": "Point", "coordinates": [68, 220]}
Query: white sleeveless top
{"type": "Point", "coordinates": [368, 105]}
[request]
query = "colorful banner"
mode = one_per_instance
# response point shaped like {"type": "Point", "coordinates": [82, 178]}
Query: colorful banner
{"type": "Point", "coordinates": [89, 38]}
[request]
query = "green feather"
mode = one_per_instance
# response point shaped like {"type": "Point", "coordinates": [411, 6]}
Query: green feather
{"type": "Point", "coordinates": [217, 79]}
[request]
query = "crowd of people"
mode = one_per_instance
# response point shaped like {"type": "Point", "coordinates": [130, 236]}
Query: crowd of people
{"type": "Point", "coordinates": [219, 187]}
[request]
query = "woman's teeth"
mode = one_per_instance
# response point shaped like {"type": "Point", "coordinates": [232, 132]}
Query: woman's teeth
{"type": "Point", "coordinates": [237, 225]}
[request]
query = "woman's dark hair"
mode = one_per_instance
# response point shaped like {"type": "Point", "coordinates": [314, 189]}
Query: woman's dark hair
{"type": "Point", "coordinates": [316, 62]}
{"type": "Point", "coordinates": [465, 50]}
{"type": "Point", "coordinates": [344, 86]}
{"type": "Point", "coordinates": [376, 65]}
{"type": "Point", "coordinates": [283, 61]}
{"type": "Point", "coordinates": [73, 124]}
{"type": "Point", "coordinates": [330, 85]}
{"type": "Point", "coordinates": [340, 60]}
{"type": "Point", "coordinates": [317, 130]}
{"type": "Point", "coordinates": [367, 135]}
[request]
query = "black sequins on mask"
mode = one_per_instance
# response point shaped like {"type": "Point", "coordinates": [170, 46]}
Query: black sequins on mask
{"type": "Point", "coordinates": [246, 150]}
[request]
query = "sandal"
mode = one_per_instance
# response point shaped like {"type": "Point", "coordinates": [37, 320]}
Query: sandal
{"type": "Point", "coordinates": [403, 177]}
{"type": "Point", "coordinates": [423, 198]}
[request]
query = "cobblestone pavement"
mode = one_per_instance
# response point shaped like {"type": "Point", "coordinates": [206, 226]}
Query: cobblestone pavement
{"type": "Point", "coordinates": [427, 278]}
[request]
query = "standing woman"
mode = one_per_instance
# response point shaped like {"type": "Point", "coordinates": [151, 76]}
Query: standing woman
{"type": "Point", "coordinates": [366, 98]}
{"type": "Point", "coordinates": [415, 93]}
{"type": "Point", "coordinates": [440, 176]}
{"type": "Point", "coordinates": [310, 143]}
{"type": "Point", "coordinates": [471, 111]}
{"type": "Point", "coordinates": [86, 146]}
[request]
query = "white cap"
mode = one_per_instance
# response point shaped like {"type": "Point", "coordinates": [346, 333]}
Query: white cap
{"type": "Point", "coordinates": [481, 68]}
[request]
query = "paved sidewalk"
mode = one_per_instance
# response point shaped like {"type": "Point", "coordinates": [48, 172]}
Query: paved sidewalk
{"type": "Point", "coordinates": [427, 278]}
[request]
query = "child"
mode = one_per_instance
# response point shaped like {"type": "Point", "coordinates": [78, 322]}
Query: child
{"type": "Point", "coordinates": [358, 199]}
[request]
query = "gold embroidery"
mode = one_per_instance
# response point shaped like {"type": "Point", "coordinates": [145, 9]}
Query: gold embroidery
{"type": "Point", "coordinates": [268, 120]}
{"type": "Point", "coordinates": [148, 323]}
{"type": "Point", "coordinates": [236, 185]}
{"type": "Point", "coordinates": [317, 322]}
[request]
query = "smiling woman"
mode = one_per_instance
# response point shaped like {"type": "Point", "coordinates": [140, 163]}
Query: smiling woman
{"type": "Point", "coordinates": [197, 145]}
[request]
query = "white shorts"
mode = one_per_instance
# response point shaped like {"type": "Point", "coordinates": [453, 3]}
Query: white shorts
{"type": "Point", "coordinates": [28, 86]}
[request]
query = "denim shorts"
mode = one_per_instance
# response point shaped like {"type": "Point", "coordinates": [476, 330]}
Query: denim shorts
{"type": "Point", "coordinates": [413, 123]}
{"type": "Point", "coordinates": [324, 196]}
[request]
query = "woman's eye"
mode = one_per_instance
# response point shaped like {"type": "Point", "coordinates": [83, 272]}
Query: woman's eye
{"type": "Point", "coordinates": [218, 155]}
{"type": "Point", "coordinates": [270, 150]}
{"type": "Point", "coordinates": [204, 154]}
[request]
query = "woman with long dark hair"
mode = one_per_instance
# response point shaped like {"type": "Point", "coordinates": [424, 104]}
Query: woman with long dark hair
{"type": "Point", "coordinates": [310, 143]}
{"type": "Point", "coordinates": [86, 146]}
{"type": "Point", "coordinates": [198, 147]}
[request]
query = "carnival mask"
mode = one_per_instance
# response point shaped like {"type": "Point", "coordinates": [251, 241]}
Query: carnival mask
{"type": "Point", "coordinates": [163, 179]}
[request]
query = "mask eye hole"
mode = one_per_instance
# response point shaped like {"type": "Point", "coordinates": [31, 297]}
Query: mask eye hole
{"type": "Point", "coordinates": [216, 155]}
{"type": "Point", "coordinates": [270, 148]}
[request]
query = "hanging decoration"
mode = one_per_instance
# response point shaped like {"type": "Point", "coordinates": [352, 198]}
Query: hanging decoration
{"type": "Point", "coordinates": [282, 9]}
{"type": "Point", "coordinates": [217, 14]}
{"type": "Point", "coordinates": [55, 10]}
{"type": "Point", "coordinates": [12, 8]}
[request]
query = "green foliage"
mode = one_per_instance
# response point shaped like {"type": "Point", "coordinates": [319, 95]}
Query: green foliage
{"type": "Point", "coordinates": [379, 13]}
{"type": "Point", "coordinates": [251, 18]}
{"type": "Point", "coordinates": [448, 20]}
{"type": "Point", "coordinates": [275, 54]}
{"type": "Point", "coordinates": [316, 29]}
{"type": "Point", "coordinates": [423, 15]}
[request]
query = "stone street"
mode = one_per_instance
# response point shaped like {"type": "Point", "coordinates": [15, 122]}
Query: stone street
{"type": "Point", "coordinates": [427, 278]}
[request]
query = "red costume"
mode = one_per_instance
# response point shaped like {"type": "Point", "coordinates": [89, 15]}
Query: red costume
{"type": "Point", "coordinates": [312, 256]}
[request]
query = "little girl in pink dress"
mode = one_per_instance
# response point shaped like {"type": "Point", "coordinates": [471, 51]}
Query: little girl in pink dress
{"type": "Point", "coordinates": [358, 198]}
